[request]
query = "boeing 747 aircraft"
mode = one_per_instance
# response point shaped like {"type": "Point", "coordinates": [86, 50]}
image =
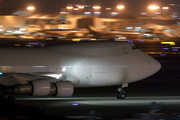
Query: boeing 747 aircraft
{"type": "Point", "coordinates": [56, 70]}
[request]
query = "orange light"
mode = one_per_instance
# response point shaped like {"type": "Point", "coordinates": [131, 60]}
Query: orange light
{"type": "Point", "coordinates": [17, 45]}
{"type": "Point", "coordinates": [69, 7]}
{"type": "Point", "coordinates": [96, 7]}
{"type": "Point", "coordinates": [80, 7]}
{"type": "Point", "coordinates": [76, 9]}
{"type": "Point", "coordinates": [165, 8]}
{"type": "Point", "coordinates": [31, 8]}
{"type": "Point", "coordinates": [120, 7]}
{"type": "Point", "coordinates": [153, 7]}
{"type": "Point", "coordinates": [108, 8]}
{"type": "Point", "coordinates": [171, 4]}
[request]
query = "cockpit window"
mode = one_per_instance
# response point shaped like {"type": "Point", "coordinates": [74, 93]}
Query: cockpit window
{"type": "Point", "coordinates": [134, 47]}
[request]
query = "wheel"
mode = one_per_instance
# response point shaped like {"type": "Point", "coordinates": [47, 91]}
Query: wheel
{"type": "Point", "coordinates": [117, 95]}
{"type": "Point", "coordinates": [121, 95]}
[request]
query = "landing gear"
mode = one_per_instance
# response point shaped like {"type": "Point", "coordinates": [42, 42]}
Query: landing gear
{"type": "Point", "coordinates": [121, 93]}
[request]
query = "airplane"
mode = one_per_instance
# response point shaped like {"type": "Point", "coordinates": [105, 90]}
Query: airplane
{"type": "Point", "coordinates": [56, 70]}
{"type": "Point", "coordinates": [102, 33]}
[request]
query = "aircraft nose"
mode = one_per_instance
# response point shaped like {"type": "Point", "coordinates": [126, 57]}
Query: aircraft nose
{"type": "Point", "coordinates": [154, 66]}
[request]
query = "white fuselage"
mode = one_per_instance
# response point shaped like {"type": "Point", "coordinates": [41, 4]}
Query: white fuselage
{"type": "Point", "coordinates": [86, 64]}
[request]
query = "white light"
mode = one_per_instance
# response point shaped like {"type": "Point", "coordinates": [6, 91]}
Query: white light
{"type": "Point", "coordinates": [165, 8]}
{"type": "Point", "coordinates": [157, 12]}
{"type": "Point", "coordinates": [97, 7]}
{"type": "Point", "coordinates": [153, 7]}
{"type": "Point", "coordinates": [114, 13]}
{"type": "Point", "coordinates": [120, 7]}
{"type": "Point", "coordinates": [9, 31]}
{"type": "Point", "coordinates": [57, 76]}
{"type": "Point", "coordinates": [63, 69]}
{"type": "Point", "coordinates": [69, 7]}
{"type": "Point", "coordinates": [18, 31]}
{"type": "Point", "coordinates": [22, 29]}
{"type": "Point", "coordinates": [80, 7]}
{"type": "Point", "coordinates": [143, 13]}
{"type": "Point", "coordinates": [30, 8]}
{"type": "Point", "coordinates": [129, 27]}
{"type": "Point", "coordinates": [97, 13]}
{"type": "Point", "coordinates": [87, 13]}
{"type": "Point", "coordinates": [76, 9]}
{"type": "Point", "coordinates": [64, 12]}
{"type": "Point", "coordinates": [1, 73]}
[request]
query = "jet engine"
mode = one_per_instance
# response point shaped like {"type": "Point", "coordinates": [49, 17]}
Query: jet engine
{"type": "Point", "coordinates": [44, 88]}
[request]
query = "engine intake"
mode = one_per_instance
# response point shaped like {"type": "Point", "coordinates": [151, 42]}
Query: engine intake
{"type": "Point", "coordinates": [64, 89]}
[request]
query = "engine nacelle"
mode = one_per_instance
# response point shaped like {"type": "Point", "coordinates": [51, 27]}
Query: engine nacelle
{"type": "Point", "coordinates": [64, 89]}
{"type": "Point", "coordinates": [44, 88]}
{"type": "Point", "coordinates": [40, 87]}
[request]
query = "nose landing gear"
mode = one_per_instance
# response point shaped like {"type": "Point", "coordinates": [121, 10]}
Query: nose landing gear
{"type": "Point", "coordinates": [121, 94]}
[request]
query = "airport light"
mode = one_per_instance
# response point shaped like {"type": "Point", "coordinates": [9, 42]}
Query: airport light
{"type": "Point", "coordinates": [76, 9]}
{"type": "Point", "coordinates": [153, 7]}
{"type": "Point", "coordinates": [69, 7]}
{"type": "Point", "coordinates": [165, 8]}
{"type": "Point", "coordinates": [81, 7]}
{"type": "Point", "coordinates": [96, 7]}
{"type": "Point", "coordinates": [120, 7]}
{"type": "Point", "coordinates": [171, 4]}
{"type": "Point", "coordinates": [108, 8]}
{"type": "Point", "coordinates": [30, 8]}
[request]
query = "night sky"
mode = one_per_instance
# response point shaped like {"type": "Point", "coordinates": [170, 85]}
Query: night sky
{"type": "Point", "coordinates": [132, 7]}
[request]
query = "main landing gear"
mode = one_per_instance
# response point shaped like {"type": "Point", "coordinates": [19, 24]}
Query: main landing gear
{"type": "Point", "coordinates": [121, 94]}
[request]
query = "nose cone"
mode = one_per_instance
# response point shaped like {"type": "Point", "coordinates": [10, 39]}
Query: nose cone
{"type": "Point", "coordinates": [153, 67]}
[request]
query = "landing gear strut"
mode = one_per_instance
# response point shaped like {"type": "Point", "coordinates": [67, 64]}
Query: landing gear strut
{"type": "Point", "coordinates": [121, 94]}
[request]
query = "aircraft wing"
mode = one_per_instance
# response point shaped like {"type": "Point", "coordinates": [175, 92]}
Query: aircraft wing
{"type": "Point", "coordinates": [11, 79]}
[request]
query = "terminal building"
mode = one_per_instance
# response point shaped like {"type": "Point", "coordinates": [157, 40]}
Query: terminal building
{"type": "Point", "coordinates": [42, 21]}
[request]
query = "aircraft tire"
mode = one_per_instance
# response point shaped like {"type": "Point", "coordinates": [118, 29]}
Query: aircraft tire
{"type": "Point", "coordinates": [121, 95]}
{"type": "Point", "coordinates": [117, 95]}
